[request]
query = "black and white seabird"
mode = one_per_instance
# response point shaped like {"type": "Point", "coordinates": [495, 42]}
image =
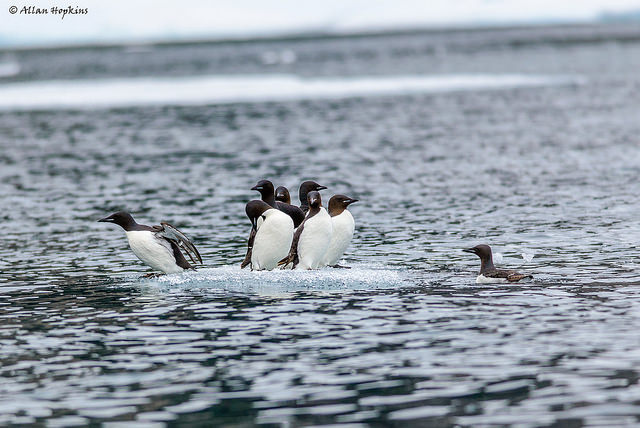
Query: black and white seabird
{"type": "Point", "coordinates": [343, 227]}
{"type": "Point", "coordinates": [157, 246]}
{"type": "Point", "coordinates": [488, 272]}
{"type": "Point", "coordinates": [312, 237]}
{"type": "Point", "coordinates": [272, 238]}
{"type": "Point", "coordinates": [265, 187]}
{"type": "Point", "coordinates": [305, 188]}
{"type": "Point", "coordinates": [282, 195]}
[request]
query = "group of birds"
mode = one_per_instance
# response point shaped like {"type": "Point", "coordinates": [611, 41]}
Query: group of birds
{"type": "Point", "coordinates": [304, 237]}
{"type": "Point", "coordinates": [295, 237]}
{"type": "Point", "coordinates": [282, 235]}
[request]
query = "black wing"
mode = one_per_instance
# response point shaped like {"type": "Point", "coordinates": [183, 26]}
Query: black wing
{"type": "Point", "coordinates": [509, 275]}
{"type": "Point", "coordinates": [247, 258]}
{"type": "Point", "coordinates": [180, 260]}
{"type": "Point", "coordinates": [296, 214]}
{"type": "Point", "coordinates": [173, 235]}
{"type": "Point", "coordinates": [515, 276]}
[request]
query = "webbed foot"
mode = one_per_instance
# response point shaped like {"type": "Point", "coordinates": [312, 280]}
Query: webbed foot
{"type": "Point", "coordinates": [152, 275]}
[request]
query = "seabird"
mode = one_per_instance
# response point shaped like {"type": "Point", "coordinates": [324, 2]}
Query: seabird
{"type": "Point", "coordinates": [305, 188]}
{"type": "Point", "coordinates": [343, 227]}
{"type": "Point", "coordinates": [157, 246]}
{"type": "Point", "coordinates": [265, 187]}
{"type": "Point", "coordinates": [272, 238]}
{"type": "Point", "coordinates": [312, 238]}
{"type": "Point", "coordinates": [488, 272]}
{"type": "Point", "coordinates": [282, 195]}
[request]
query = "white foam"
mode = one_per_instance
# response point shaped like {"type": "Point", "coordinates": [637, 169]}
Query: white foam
{"type": "Point", "coordinates": [225, 277]}
{"type": "Point", "coordinates": [220, 89]}
{"type": "Point", "coordinates": [528, 256]}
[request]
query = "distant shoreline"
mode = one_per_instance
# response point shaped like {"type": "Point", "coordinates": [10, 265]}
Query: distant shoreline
{"type": "Point", "coordinates": [617, 26]}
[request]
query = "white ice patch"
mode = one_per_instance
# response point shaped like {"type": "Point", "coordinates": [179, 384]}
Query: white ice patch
{"type": "Point", "coordinates": [282, 57]}
{"type": "Point", "coordinates": [232, 277]}
{"type": "Point", "coordinates": [9, 68]}
{"type": "Point", "coordinates": [220, 89]}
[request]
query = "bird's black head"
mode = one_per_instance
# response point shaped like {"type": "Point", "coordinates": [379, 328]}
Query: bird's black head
{"type": "Point", "coordinates": [483, 251]}
{"type": "Point", "coordinates": [121, 218]}
{"type": "Point", "coordinates": [282, 195]}
{"type": "Point", "coordinates": [338, 203]}
{"type": "Point", "coordinates": [265, 187]}
{"type": "Point", "coordinates": [308, 186]}
{"type": "Point", "coordinates": [314, 200]}
{"type": "Point", "coordinates": [255, 209]}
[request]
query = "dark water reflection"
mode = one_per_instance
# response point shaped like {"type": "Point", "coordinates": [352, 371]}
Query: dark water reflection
{"type": "Point", "coordinates": [406, 337]}
{"type": "Point", "coordinates": [462, 355]}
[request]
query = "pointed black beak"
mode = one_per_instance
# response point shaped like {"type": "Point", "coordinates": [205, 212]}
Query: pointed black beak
{"type": "Point", "coordinates": [105, 220]}
{"type": "Point", "coordinates": [351, 201]}
{"type": "Point", "coordinates": [469, 250]}
{"type": "Point", "coordinates": [321, 187]}
{"type": "Point", "coordinates": [254, 223]}
{"type": "Point", "coordinates": [256, 187]}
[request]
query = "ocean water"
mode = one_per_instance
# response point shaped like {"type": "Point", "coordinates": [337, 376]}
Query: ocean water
{"type": "Point", "coordinates": [526, 139]}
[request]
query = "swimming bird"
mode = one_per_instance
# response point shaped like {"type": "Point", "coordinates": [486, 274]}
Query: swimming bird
{"type": "Point", "coordinates": [265, 187]}
{"type": "Point", "coordinates": [305, 188]}
{"type": "Point", "coordinates": [488, 272]}
{"type": "Point", "coordinates": [282, 195]}
{"type": "Point", "coordinates": [311, 239]}
{"type": "Point", "coordinates": [273, 235]}
{"type": "Point", "coordinates": [343, 227]}
{"type": "Point", "coordinates": [157, 246]}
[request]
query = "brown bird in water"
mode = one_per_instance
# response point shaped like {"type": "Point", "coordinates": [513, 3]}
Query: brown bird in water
{"type": "Point", "coordinates": [488, 272]}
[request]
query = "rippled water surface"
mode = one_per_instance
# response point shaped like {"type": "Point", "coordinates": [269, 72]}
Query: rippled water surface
{"type": "Point", "coordinates": [545, 173]}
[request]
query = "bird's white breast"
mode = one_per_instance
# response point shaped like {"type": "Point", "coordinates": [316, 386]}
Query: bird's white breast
{"type": "Point", "coordinates": [153, 251]}
{"type": "Point", "coordinates": [481, 279]}
{"type": "Point", "coordinates": [273, 240]}
{"type": "Point", "coordinates": [343, 227]}
{"type": "Point", "coordinates": [314, 240]}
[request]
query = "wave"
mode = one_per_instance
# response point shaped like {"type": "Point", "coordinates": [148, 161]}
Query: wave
{"type": "Point", "coordinates": [221, 89]}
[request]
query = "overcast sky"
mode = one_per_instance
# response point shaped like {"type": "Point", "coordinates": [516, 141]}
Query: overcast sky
{"type": "Point", "coordinates": [140, 20]}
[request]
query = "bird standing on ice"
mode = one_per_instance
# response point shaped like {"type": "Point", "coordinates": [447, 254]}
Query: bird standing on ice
{"type": "Point", "coordinates": [488, 272]}
{"type": "Point", "coordinates": [343, 227]}
{"type": "Point", "coordinates": [312, 238]}
{"type": "Point", "coordinates": [272, 238]}
{"type": "Point", "coordinates": [157, 246]}
{"type": "Point", "coordinates": [265, 187]}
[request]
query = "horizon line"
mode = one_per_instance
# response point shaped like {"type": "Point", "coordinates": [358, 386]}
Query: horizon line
{"type": "Point", "coordinates": [296, 35]}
